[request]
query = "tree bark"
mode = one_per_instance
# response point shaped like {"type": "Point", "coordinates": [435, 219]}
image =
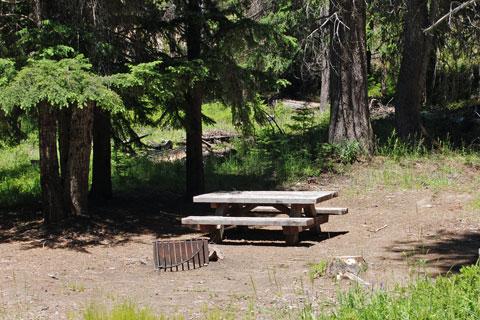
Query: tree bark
{"type": "Point", "coordinates": [53, 210]}
{"type": "Point", "coordinates": [64, 124]}
{"type": "Point", "coordinates": [431, 74]}
{"type": "Point", "coordinates": [79, 157]}
{"type": "Point", "coordinates": [349, 114]}
{"type": "Point", "coordinates": [383, 61]}
{"type": "Point", "coordinates": [102, 168]}
{"type": "Point", "coordinates": [325, 49]}
{"type": "Point", "coordinates": [411, 79]}
{"type": "Point", "coordinates": [193, 113]}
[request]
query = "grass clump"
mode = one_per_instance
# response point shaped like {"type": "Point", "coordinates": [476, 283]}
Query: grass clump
{"type": "Point", "coordinates": [455, 296]}
{"type": "Point", "coordinates": [317, 270]}
{"type": "Point", "coordinates": [474, 204]}
{"type": "Point", "coordinates": [126, 310]}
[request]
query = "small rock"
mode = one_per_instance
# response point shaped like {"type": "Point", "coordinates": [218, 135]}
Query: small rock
{"type": "Point", "coordinates": [344, 264]}
{"type": "Point", "coordinates": [52, 276]}
{"type": "Point", "coordinates": [215, 253]}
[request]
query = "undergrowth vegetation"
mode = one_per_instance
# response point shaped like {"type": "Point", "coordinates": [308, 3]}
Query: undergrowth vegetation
{"type": "Point", "coordinates": [19, 176]}
{"type": "Point", "coordinates": [291, 147]}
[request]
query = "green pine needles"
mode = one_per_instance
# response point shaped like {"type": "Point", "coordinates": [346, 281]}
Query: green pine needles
{"type": "Point", "coordinates": [60, 83]}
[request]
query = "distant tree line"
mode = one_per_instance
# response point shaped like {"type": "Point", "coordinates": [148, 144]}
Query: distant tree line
{"type": "Point", "coordinates": [88, 71]}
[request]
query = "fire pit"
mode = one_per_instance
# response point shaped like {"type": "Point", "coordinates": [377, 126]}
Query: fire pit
{"type": "Point", "coordinates": [175, 255]}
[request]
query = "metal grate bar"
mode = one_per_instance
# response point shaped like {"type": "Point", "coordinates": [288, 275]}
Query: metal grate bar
{"type": "Point", "coordinates": [175, 255]}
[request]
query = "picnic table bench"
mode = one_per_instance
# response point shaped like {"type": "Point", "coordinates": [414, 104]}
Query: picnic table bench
{"type": "Point", "coordinates": [239, 207]}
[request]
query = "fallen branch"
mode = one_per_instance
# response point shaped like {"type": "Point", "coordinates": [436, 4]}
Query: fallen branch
{"type": "Point", "coordinates": [138, 138]}
{"type": "Point", "coordinates": [448, 15]}
{"type": "Point", "coordinates": [378, 229]}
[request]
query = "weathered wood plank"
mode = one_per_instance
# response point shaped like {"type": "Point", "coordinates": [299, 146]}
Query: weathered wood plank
{"type": "Point", "coordinates": [332, 211]}
{"type": "Point", "coordinates": [319, 210]}
{"type": "Point", "coordinates": [266, 197]}
{"type": "Point", "coordinates": [247, 221]}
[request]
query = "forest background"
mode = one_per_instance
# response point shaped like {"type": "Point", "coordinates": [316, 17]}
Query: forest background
{"type": "Point", "coordinates": [77, 72]}
{"type": "Point", "coordinates": [90, 88]}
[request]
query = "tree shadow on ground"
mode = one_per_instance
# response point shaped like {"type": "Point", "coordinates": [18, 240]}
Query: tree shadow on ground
{"type": "Point", "coordinates": [447, 251]}
{"type": "Point", "coordinates": [117, 221]}
{"type": "Point", "coordinates": [273, 238]}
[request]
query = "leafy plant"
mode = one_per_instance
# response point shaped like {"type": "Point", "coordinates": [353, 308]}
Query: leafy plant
{"type": "Point", "coordinates": [347, 152]}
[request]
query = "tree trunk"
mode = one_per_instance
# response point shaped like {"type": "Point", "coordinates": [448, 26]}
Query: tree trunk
{"type": "Point", "coordinates": [411, 79]}
{"type": "Point", "coordinates": [430, 77]}
{"type": "Point", "coordinates": [193, 113]}
{"type": "Point", "coordinates": [349, 114]}
{"type": "Point", "coordinates": [64, 124]}
{"type": "Point", "coordinates": [325, 76]}
{"type": "Point", "coordinates": [383, 61]}
{"type": "Point", "coordinates": [102, 169]}
{"type": "Point", "coordinates": [52, 203]}
{"type": "Point", "coordinates": [79, 157]}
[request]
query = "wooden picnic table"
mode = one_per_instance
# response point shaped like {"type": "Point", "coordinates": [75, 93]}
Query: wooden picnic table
{"type": "Point", "coordinates": [236, 207]}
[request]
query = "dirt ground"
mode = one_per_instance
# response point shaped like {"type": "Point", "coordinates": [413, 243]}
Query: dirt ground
{"type": "Point", "coordinates": [54, 274]}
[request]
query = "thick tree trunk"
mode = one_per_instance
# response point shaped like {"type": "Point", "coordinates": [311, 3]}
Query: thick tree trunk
{"type": "Point", "coordinates": [64, 124]}
{"type": "Point", "coordinates": [349, 114]}
{"type": "Point", "coordinates": [193, 113]}
{"type": "Point", "coordinates": [102, 168]}
{"type": "Point", "coordinates": [79, 157]}
{"type": "Point", "coordinates": [195, 171]}
{"type": "Point", "coordinates": [53, 210]}
{"type": "Point", "coordinates": [411, 79]}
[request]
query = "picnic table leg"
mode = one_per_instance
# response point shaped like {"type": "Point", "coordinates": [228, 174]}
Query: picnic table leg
{"type": "Point", "coordinates": [310, 211]}
{"type": "Point", "coordinates": [291, 233]}
{"type": "Point", "coordinates": [238, 210]}
{"type": "Point", "coordinates": [216, 231]}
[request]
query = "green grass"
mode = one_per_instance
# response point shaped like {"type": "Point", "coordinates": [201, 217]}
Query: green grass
{"type": "Point", "coordinates": [126, 310]}
{"type": "Point", "coordinates": [221, 114]}
{"type": "Point", "coordinates": [449, 297]}
{"type": "Point", "coordinates": [474, 204]}
{"type": "Point", "coordinates": [317, 270]}
{"type": "Point", "coordinates": [413, 173]}
{"type": "Point", "coordinates": [455, 296]}
{"type": "Point", "coordinates": [19, 178]}
{"type": "Point", "coordinates": [274, 159]}
{"type": "Point", "coordinates": [131, 172]}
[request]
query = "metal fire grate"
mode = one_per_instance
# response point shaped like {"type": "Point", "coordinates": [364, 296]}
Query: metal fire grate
{"type": "Point", "coordinates": [177, 255]}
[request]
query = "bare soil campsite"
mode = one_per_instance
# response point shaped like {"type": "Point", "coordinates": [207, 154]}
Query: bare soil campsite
{"type": "Point", "coordinates": [402, 232]}
{"type": "Point", "coordinates": [322, 156]}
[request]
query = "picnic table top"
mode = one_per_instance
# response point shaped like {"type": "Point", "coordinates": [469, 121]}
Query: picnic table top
{"type": "Point", "coordinates": [266, 197]}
